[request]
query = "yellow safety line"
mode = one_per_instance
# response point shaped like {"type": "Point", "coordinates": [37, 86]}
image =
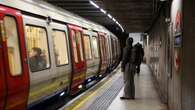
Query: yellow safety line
{"type": "Point", "coordinates": [91, 95]}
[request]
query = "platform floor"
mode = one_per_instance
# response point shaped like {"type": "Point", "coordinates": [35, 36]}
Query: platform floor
{"type": "Point", "coordinates": [146, 97]}
{"type": "Point", "coordinates": [106, 94]}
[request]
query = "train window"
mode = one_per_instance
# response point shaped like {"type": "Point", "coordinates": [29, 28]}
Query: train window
{"type": "Point", "coordinates": [37, 46]}
{"type": "Point", "coordinates": [60, 47]}
{"type": "Point", "coordinates": [95, 47]}
{"type": "Point", "coordinates": [87, 46]}
{"type": "Point", "coordinates": [75, 47]}
{"type": "Point", "coordinates": [13, 46]}
{"type": "Point", "coordinates": [79, 44]}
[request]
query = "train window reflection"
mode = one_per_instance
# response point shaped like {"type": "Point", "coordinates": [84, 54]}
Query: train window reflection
{"type": "Point", "coordinates": [60, 47]}
{"type": "Point", "coordinates": [80, 46]}
{"type": "Point", "coordinates": [95, 47]}
{"type": "Point", "coordinates": [37, 46]}
{"type": "Point", "coordinates": [87, 46]}
{"type": "Point", "coordinates": [75, 47]}
{"type": "Point", "coordinates": [13, 46]}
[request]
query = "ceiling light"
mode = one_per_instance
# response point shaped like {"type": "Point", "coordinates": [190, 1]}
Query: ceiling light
{"type": "Point", "coordinates": [114, 19]}
{"type": "Point", "coordinates": [94, 4]}
{"type": "Point", "coordinates": [103, 11]}
{"type": "Point", "coordinates": [109, 16]}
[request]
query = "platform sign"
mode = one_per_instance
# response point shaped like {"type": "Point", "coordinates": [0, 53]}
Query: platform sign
{"type": "Point", "coordinates": [177, 29]}
{"type": "Point", "coordinates": [177, 23]}
{"type": "Point", "coordinates": [178, 40]}
{"type": "Point", "coordinates": [176, 19]}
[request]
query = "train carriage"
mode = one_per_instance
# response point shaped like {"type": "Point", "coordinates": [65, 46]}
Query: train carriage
{"type": "Point", "coordinates": [43, 53]}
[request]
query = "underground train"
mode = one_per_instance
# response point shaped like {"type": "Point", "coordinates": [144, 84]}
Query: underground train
{"type": "Point", "coordinates": [46, 51]}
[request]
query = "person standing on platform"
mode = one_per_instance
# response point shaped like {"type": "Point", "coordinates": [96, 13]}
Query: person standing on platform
{"type": "Point", "coordinates": [128, 69]}
{"type": "Point", "coordinates": [139, 56]}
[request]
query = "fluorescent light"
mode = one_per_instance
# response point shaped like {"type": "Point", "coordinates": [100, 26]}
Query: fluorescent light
{"type": "Point", "coordinates": [94, 4]}
{"type": "Point", "coordinates": [114, 19]}
{"type": "Point", "coordinates": [103, 11]}
{"type": "Point", "coordinates": [109, 16]}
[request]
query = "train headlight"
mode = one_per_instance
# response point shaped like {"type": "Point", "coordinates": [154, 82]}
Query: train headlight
{"type": "Point", "coordinates": [61, 94]}
{"type": "Point", "coordinates": [89, 80]}
{"type": "Point", "coordinates": [80, 86]}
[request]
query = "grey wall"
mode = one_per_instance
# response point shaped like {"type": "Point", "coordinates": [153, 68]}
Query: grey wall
{"type": "Point", "coordinates": [161, 58]}
{"type": "Point", "coordinates": [177, 86]}
{"type": "Point", "coordinates": [188, 72]}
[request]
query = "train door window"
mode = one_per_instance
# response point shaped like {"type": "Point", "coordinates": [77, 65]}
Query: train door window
{"type": "Point", "coordinates": [13, 46]}
{"type": "Point", "coordinates": [60, 47]}
{"type": "Point", "coordinates": [75, 47]}
{"type": "Point", "coordinates": [95, 47]}
{"type": "Point", "coordinates": [37, 46]}
{"type": "Point", "coordinates": [87, 46]}
{"type": "Point", "coordinates": [79, 44]}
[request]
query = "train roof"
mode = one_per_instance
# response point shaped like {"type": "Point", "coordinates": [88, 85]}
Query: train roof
{"type": "Point", "coordinates": [42, 8]}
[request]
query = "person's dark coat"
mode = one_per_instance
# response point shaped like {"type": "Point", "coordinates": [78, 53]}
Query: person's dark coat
{"type": "Point", "coordinates": [126, 54]}
{"type": "Point", "coordinates": [140, 53]}
{"type": "Point", "coordinates": [37, 63]}
{"type": "Point", "coordinates": [128, 69]}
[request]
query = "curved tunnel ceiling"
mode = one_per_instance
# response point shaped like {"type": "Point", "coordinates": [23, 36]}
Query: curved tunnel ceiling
{"type": "Point", "coordinates": [133, 15]}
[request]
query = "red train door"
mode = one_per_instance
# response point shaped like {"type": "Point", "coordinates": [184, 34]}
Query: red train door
{"type": "Point", "coordinates": [14, 58]}
{"type": "Point", "coordinates": [78, 59]}
{"type": "Point", "coordinates": [103, 53]}
{"type": "Point", "coordinates": [2, 78]}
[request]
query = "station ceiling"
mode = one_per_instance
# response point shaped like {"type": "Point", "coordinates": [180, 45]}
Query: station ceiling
{"type": "Point", "coordinates": [133, 15]}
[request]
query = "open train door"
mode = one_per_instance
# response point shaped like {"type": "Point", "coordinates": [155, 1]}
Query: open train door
{"type": "Point", "coordinates": [14, 59]}
{"type": "Point", "coordinates": [79, 66]}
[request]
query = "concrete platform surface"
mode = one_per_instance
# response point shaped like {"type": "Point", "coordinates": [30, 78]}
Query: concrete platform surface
{"type": "Point", "coordinates": [146, 97]}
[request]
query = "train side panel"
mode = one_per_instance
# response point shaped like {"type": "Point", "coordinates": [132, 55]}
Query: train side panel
{"type": "Point", "coordinates": [91, 54]}
{"type": "Point", "coordinates": [108, 37]}
{"type": "Point", "coordinates": [54, 74]}
{"type": "Point", "coordinates": [63, 61]}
